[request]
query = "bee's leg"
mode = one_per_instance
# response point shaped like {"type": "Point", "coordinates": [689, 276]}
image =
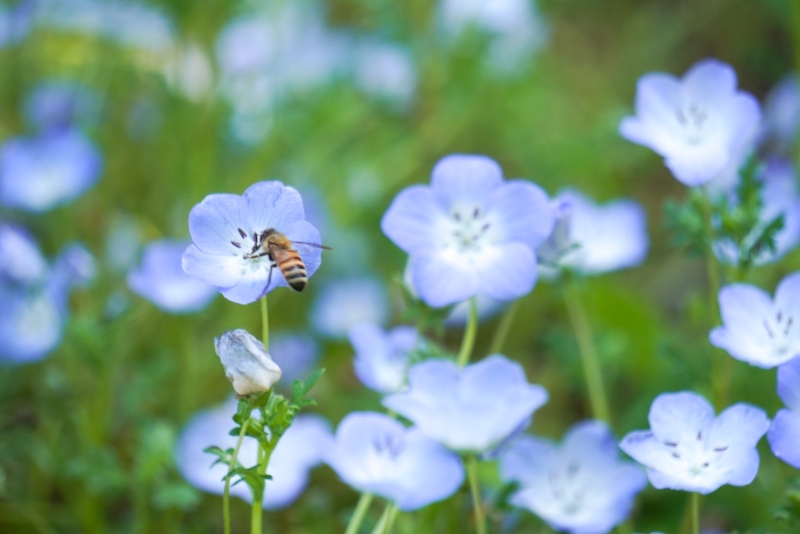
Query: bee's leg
{"type": "Point", "coordinates": [269, 280]}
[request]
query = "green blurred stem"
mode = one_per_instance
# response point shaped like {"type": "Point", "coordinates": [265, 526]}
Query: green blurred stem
{"type": "Point", "coordinates": [475, 489]}
{"type": "Point", "coordinates": [257, 509]}
{"type": "Point", "coordinates": [386, 521]}
{"type": "Point", "coordinates": [711, 260]}
{"type": "Point", "coordinates": [468, 342]}
{"type": "Point", "coordinates": [359, 513]}
{"type": "Point", "coordinates": [503, 329]}
{"type": "Point", "coordinates": [591, 364]}
{"type": "Point", "coordinates": [226, 495]}
{"type": "Point", "coordinates": [695, 497]}
{"type": "Point", "coordinates": [264, 323]}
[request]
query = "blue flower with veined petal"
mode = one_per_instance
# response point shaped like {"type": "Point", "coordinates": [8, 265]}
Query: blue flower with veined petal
{"type": "Point", "coordinates": [39, 173]}
{"type": "Point", "coordinates": [374, 453]}
{"type": "Point", "coordinates": [698, 124]}
{"type": "Point", "coordinates": [470, 232]}
{"type": "Point", "coordinates": [161, 280]}
{"type": "Point", "coordinates": [784, 434]}
{"type": "Point", "coordinates": [689, 449]}
{"type": "Point", "coordinates": [581, 487]}
{"type": "Point", "coordinates": [382, 358]}
{"type": "Point", "coordinates": [226, 232]}
{"type": "Point", "coordinates": [469, 409]}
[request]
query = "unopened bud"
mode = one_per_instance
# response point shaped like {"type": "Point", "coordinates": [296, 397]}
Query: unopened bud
{"type": "Point", "coordinates": [247, 364]}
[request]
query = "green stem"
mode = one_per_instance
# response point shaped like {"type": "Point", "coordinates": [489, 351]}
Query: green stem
{"type": "Point", "coordinates": [360, 512]}
{"type": "Point", "coordinates": [695, 497]}
{"type": "Point", "coordinates": [264, 323]}
{"type": "Point", "coordinates": [468, 342]}
{"type": "Point", "coordinates": [591, 364]}
{"type": "Point", "coordinates": [257, 508]}
{"type": "Point", "coordinates": [477, 501]}
{"type": "Point", "coordinates": [503, 329]}
{"type": "Point", "coordinates": [387, 520]}
{"type": "Point", "coordinates": [226, 495]}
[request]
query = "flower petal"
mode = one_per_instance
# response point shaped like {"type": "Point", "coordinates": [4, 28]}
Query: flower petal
{"type": "Point", "coordinates": [784, 437]}
{"type": "Point", "coordinates": [674, 416]}
{"type": "Point", "coordinates": [522, 211]}
{"type": "Point", "coordinates": [461, 179]}
{"type": "Point", "coordinates": [507, 271]}
{"type": "Point", "coordinates": [444, 278]}
{"type": "Point", "coordinates": [789, 385]}
{"type": "Point", "coordinates": [411, 219]}
{"type": "Point", "coordinates": [696, 165]}
{"type": "Point", "coordinates": [215, 221]}
{"type": "Point", "coordinates": [272, 205]}
{"type": "Point", "coordinates": [740, 426]}
{"type": "Point", "coordinates": [214, 269]}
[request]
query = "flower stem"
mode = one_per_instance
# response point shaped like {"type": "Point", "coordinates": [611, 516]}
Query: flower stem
{"type": "Point", "coordinates": [226, 495]}
{"type": "Point", "coordinates": [477, 501]}
{"type": "Point", "coordinates": [264, 323]}
{"type": "Point", "coordinates": [468, 342]}
{"type": "Point", "coordinates": [257, 508]}
{"type": "Point", "coordinates": [387, 520]}
{"type": "Point", "coordinates": [503, 329]}
{"type": "Point", "coordinates": [695, 498]}
{"type": "Point", "coordinates": [359, 513]}
{"type": "Point", "coordinates": [591, 364]}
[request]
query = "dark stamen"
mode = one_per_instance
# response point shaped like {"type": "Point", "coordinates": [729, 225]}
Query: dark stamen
{"type": "Point", "coordinates": [721, 449]}
{"type": "Point", "coordinates": [769, 330]}
{"type": "Point", "coordinates": [705, 464]}
{"type": "Point", "coordinates": [235, 244]}
{"type": "Point", "coordinates": [456, 216]}
{"type": "Point", "coordinates": [242, 233]}
{"type": "Point", "coordinates": [788, 326]}
{"type": "Point", "coordinates": [670, 444]}
{"type": "Point", "coordinates": [676, 455]}
{"type": "Point", "coordinates": [476, 212]}
{"type": "Point", "coordinates": [485, 227]}
{"type": "Point", "coordinates": [700, 436]}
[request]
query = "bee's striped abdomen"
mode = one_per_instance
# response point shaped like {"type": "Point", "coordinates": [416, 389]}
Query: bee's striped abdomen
{"type": "Point", "coordinates": [293, 270]}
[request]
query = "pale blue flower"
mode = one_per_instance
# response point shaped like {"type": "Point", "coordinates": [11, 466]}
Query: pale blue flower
{"type": "Point", "coordinates": [698, 123]}
{"type": "Point", "coordinates": [59, 104]}
{"type": "Point", "coordinates": [688, 449]}
{"type": "Point", "coordinates": [226, 232]}
{"type": "Point", "coordinates": [297, 452]}
{"type": "Point", "coordinates": [21, 262]}
{"type": "Point", "coordinates": [780, 196]}
{"type": "Point", "coordinates": [374, 453]}
{"type": "Point", "coordinates": [594, 239]}
{"type": "Point", "coordinates": [385, 71]}
{"type": "Point", "coordinates": [75, 266]}
{"type": "Point", "coordinates": [295, 354]}
{"type": "Point", "coordinates": [247, 364]}
{"type": "Point", "coordinates": [39, 173]}
{"type": "Point", "coordinates": [581, 486]}
{"type": "Point", "coordinates": [470, 232]}
{"type": "Point", "coordinates": [782, 112]}
{"type": "Point", "coordinates": [15, 22]}
{"type": "Point", "coordinates": [160, 279]}
{"type": "Point", "coordinates": [382, 357]}
{"type": "Point", "coordinates": [469, 409]}
{"type": "Point", "coordinates": [344, 303]}
{"type": "Point", "coordinates": [757, 329]}
{"type": "Point", "coordinates": [784, 434]}
{"type": "Point", "coordinates": [515, 27]}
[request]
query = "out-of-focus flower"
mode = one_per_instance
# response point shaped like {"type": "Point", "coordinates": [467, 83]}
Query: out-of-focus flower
{"type": "Point", "coordinates": [342, 304]}
{"type": "Point", "coordinates": [470, 232]}
{"type": "Point", "coordinates": [470, 409]}
{"type": "Point", "coordinates": [15, 22]}
{"type": "Point", "coordinates": [188, 69]}
{"type": "Point", "coordinates": [123, 243]}
{"type": "Point", "coordinates": [247, 364]}
{"type": "Point", "coordinates": [779, 196]}
{"type": "Point", "coordinates": [128, 23]}
{"type": "Point", "coordinates": [298, 450]}
{"type": "Point", "coordinates": [21, 262]}
{"type": "Point", "coordinates": [59, 104]}
{"type": "Point", "coordinates": [784, 434]}
{"type": "Point", "coordinates": [295, 354]}
{"type": "Point", "coordinates": [382, 357]}
{"type": "Point", "coordinates": [757, 329]}
{"type": "Point", "coordinates": [579, 487]}
{"type": "Point", "coordinates": [594, 239]}
{"type": "Point", "coordinates": [227, 250]}
{"type": "Point", "coordinates": [374, 453]}
{"type": "Point", "coordinates": [782, 112]}
{"type": "Point", "coordinates": [37, 174]}
{"type": "Point", "coordinates": [515, 27]}
{"type": "Point", "coordinates": [33, 295]}
{"type": "Point", "coordinates": [75, 266]}
{"type": "Point", "coordinates": [688, 449]}
{"type": "Point", "coordinates": [161, 280]}
{"type": "Point", "coordinates": [698, 123]}
{"type": "Point", "coordinates": [385, 71]}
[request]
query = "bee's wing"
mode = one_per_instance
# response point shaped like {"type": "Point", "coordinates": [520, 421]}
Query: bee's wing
{"type": "Point", "coordinates": [312, 245]}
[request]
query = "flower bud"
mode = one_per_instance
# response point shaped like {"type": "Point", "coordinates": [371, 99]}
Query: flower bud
{"type": "Point", "coordinates": [247, 364]}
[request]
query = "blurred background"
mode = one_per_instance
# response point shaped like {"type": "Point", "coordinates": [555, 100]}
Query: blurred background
{"type": "Point", "coordinates": [117, 117]}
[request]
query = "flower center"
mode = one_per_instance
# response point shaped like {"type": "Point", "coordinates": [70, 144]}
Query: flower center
{"type": "Point", "coordinates": [468, 229]}
{"type": "Point", "coordinates": [251, 248]}
{"type": "Point", "coordinates": [694, 121]}
{"type": "Point", "coordinates": [779, 329]}
{"type": "Point", "coordinates": [569, 485]}
{"type": "Point", "coordinates": [388, 446]}
{"type": "Point", "coordinates": [695, 454]}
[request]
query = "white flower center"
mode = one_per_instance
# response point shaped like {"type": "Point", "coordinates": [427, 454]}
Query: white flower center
{"type": "Point", "coordinates": [468, 229]}
{"type": "Point", "coordinates": [249, 245]}
{"type": "Point", "coordinates": [780, 330]}
{"type": "Point", "coordinates": [694, 121]}
{"type": "Point", "coordinates": [388, 446]}
{"type": "Point", "coordinates": [568, 485]}
{"type": "Point", "coordinates": [695, 455]}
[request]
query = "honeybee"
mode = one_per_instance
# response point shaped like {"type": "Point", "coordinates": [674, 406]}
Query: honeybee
{"type": "Point", "coordinates": [281, 252]}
